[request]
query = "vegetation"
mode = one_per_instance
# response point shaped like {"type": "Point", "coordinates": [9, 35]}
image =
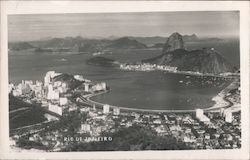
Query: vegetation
{"type": "Point", "coordinates": [102, 61]}
{"type": "Point", "coordinates": [27, 117]}
{"type": "Point", "coordinates": [69, 80]}
{"type": "Point", "coordinates": [133, 138]}
{"type": "Point", "coordinates": [23, 142]}
{"type": "Point", "coordinates": [15, 103]}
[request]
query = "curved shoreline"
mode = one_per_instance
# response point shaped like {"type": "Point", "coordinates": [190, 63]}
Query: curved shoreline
{"type": "Point", "coordinates": [135, 109]}
{"type": "Point", "coordinates": [88, 99]}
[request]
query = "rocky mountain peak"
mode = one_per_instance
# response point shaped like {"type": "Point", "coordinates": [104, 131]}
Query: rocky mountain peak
{"type": "Point", "coordinates": [175, 41]}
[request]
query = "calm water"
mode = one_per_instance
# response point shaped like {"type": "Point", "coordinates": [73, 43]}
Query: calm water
{"type": "Point", "coordinates": [156, 90]}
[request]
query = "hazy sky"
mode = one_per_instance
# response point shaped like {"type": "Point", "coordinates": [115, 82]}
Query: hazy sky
{"type": "Point", "coordinates": [211, 24]}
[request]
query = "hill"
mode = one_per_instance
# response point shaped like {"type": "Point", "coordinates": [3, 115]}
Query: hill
{"type": "Point", "coordinates": [202, 60]}
{"type": "Point", "coordinates": [126, 43]}
{"type": "Point", "coordinates": [102, 61]}
{"type": "Point", "coordinates": [79, 44]}
{"type": "Point", "coordinates": [70, 81]}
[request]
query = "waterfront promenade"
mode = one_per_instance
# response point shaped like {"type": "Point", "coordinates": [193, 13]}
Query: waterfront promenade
{"type": "Point", "coordinates": [87, 99]}
{"type": "Point", "coordinates": [148, 68]}
{"type": "Point", "coordinates": [221, 101]}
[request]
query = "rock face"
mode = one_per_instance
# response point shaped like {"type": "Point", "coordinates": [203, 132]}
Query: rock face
{"type": "Point", "coordinates": [175, 41]}
{"type": "Point", "coordinates": [203, 60]}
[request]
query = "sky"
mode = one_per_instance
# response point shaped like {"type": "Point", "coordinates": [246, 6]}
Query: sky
{"type": "Point", "coordinates": [29, 27]}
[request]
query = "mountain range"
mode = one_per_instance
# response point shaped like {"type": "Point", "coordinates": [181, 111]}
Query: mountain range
{"type": "Point", "coordinates": [174, 52]}
{"type": "Point", "coordinates": [79, 44]}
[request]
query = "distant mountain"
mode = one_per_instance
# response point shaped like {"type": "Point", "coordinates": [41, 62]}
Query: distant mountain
{"type": "Point", "coordinates": [86, 45]}
{"type": "Point", "coordinates": [126, 43]}
{"type": "Point", "coordinates": [203, 60]}
{"type": "Point", "coordinates": [149, 41]}
{"type": "Point", "coordinates": [16, 46]}
{"type": "Point", "coordinates": [211, 39]}
{"type": "Point", "coordinates": [68, 42]}
{"type": "Point", "coordinates": [80, 44]}
{"type": "Point", "coordinates": [188, 38]}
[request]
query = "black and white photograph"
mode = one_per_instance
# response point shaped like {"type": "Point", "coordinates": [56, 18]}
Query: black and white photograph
{"type": "Point", "coordinates": [124, 81]}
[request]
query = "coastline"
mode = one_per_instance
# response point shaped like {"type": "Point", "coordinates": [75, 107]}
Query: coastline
{"type": "Point", "coordinates": [173, 70]}
{"type": "Point", "coordinates": [220, 100]}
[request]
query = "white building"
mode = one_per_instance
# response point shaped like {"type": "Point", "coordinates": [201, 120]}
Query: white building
{"type": "Point", "coordinates": [85, 128]}
{"type": "Point", "coordinates": [50, 91]}
{"type": "Point", "coordinates": [199, 113]}
{"type": "Point", "coordinates": [49, 76]}
{"type": "Point", "coordinates": [27, 82]}
{"type": "Point", "coordinates": [86, 87]}
{"type": "Point", "coordinates": [18, 91]}
{"type": "Point", "coordinates": [10, 87]}
{"type": "Point", "coordinates": [63, 101]}
{"type": "Point", "coordinates": [52, 94]}
{"type": "Point", "coordinates": [104, 86]}
{"type": "Point", "coordinates": [39, 83]}
{"type": "Point", "coordinates": [229, 117]}
{"type": "Point", "coordinates": [55, 108]}
{"type": "Point", "coordinates": [116, 111]}
{"type": "Point", "coordinates": [222, 110]}
{"type": "Point", "coordinates": [204, 119]}
{"type": "Point", "coordinates": [99, 87]}
{"type": "Point", "coordinates": [106, 108]}
{"type": "Point", "coordinates": [38, 91]}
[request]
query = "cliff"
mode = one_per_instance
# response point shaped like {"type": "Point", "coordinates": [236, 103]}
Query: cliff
{"type": "Point", "coordinates": [175, 41]}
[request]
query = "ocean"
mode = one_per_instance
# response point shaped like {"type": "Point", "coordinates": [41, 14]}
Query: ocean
{"type": "Point", "coordinates": [135, 89]}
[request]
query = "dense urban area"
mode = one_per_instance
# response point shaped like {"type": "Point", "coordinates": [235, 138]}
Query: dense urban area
{"type": "Point", "coordinates": [73, 122]}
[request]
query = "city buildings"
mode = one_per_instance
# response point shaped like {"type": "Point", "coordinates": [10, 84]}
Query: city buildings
{"type": "Point", "coordinates": [116, 111]}
{"type": "Point", "coordinates": [63, 101]}
{"type": "Point", "coordinates": [106, 108]}
{"type": "Point", "coordinates": [198, 130]}
{"type": "Point", "coordinates": [99, 87]}
{"type": "Point", "coordinates": [228, 117]}
{"type": "Point", "coordinates": [56, 109]}
{"type": "Point", "coordinates": [200, 115]}
{"type": "Point", "coordinates": [86, 87]}
{"type": "Point", "coordinates": [49, 76]}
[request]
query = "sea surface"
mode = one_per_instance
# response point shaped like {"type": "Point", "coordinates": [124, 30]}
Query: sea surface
{"type": "Point", "coordinates": [135, 89]}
